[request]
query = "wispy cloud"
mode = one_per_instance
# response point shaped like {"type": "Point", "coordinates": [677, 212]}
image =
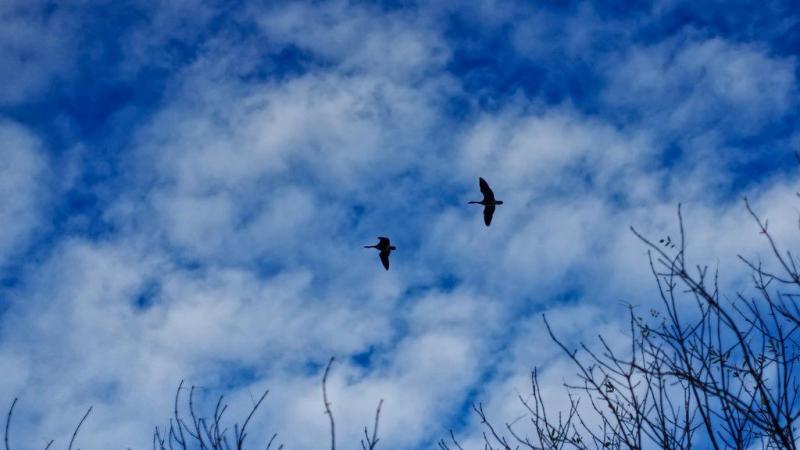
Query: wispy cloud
{"type": "Point", "coordinates": [24, 187]}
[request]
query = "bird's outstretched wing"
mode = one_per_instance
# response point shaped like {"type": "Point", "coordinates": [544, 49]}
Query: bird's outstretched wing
{"type": "Point", "coordinates": [488, 195]}
{"type": "Point", "coordinates": [385, 258]}
{"type": "Point", "coordinates": [488, 212]}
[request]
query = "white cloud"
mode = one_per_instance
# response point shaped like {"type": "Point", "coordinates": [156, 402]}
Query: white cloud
{"type": "Point", "coordinates": [690, 85]}
{"type": "Point", "coordinates": [23, 187]}
{"type": "Point", "coordinates": [400, 45]}
{"type": "Point", "coordinates": [252, 198]}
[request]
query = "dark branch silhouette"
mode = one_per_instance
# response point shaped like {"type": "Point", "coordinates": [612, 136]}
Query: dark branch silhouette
{"type": "Point", "coordinates": [702, 369]}
{"type": "Point", "coordinates": [189, 429]}
{"type": "Point", "coordinates": [370, 443]}
{"type": "Point", "coordinates": [49, 443]}
{"type": "Point", "coordinates": [199, 431]}
{"type": "Point", "coordinates": [78, 427]}
{"type": "Point", "coordinates": [8, 422]}
{"type": "Point", "coordinates": [328, 404]}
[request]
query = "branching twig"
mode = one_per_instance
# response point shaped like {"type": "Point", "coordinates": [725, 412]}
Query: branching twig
{"type": "Point", "coordinates": [369, 443]}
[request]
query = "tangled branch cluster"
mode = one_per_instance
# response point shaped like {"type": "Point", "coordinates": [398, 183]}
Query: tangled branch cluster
{"type": "Point", "coordinates": [705, 370]}
{"type": "Point", "coordinates": [198, 432]}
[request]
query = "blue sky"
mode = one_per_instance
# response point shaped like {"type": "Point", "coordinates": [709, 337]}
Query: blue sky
{"type": "Point", "coordinates": [185, 189]}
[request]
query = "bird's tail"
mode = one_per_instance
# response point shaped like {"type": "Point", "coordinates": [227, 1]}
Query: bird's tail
{"type": "Point", "coordinates": [499, 202]}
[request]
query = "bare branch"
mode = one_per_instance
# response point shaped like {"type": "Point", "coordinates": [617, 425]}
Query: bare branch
{"type": "Point", "coordinates": [328, 404]}
{"type": "Point", "coordinates": [77, 428]}
{"type": "Point", "coordinates": [8, 421]}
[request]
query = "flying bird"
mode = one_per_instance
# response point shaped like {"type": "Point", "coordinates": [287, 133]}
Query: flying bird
{"type": "Point", "coordinates": [488, 201]}
{"type": "Point", "coordinates": [385, 247]}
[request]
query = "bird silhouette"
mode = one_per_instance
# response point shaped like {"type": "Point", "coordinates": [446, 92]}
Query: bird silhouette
{"type": "Point", "coordinates": [385, 247]}
{"type": "Point", "coordinates": [488, 201]}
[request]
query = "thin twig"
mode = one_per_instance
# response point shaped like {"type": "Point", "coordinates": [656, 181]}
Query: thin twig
{"type": "Point", "coordinates": [8, 421]}
{"type": "Point", "coordinates": [75, 433]}
{"type": "Point", "coordinates": [328, 404]}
